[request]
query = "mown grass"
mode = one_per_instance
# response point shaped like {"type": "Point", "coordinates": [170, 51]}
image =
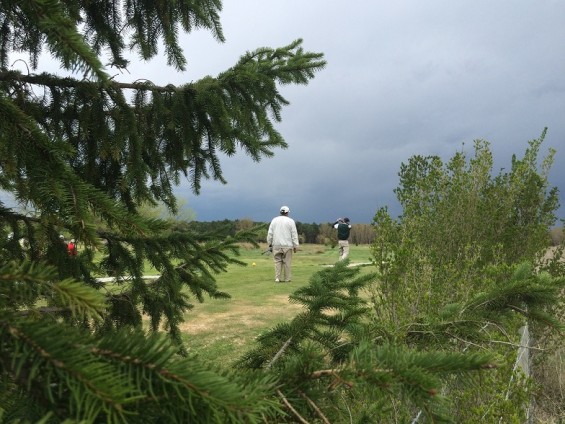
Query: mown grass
{"type": "Point", "coordinates": [221, 330]}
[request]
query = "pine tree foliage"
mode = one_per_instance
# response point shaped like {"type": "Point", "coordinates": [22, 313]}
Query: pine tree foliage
{"type": "Point", "coordinates": [332, 311]}
{"type": "Point", "coordinates": [83, 152]}
{"type": "Point", "coordinates": [337, 361]}
{"type": "Point", "coordinates": [125, 377]}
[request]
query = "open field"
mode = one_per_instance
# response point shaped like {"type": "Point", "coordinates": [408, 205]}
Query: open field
{"type": "Point", "coordinates": [221, 330]}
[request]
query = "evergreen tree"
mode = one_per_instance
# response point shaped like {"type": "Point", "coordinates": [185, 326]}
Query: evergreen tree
{"type": "Point", "coordinates": [84, 153]}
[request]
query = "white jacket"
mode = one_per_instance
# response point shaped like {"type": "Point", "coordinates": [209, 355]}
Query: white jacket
{"type": "Point", "coordinates": [282, 232]}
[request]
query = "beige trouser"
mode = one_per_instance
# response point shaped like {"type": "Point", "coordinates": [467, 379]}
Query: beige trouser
{"type": "Point", "coordinates": [343, 249]}
{"type": "Point", "coordinates": [283, 261]}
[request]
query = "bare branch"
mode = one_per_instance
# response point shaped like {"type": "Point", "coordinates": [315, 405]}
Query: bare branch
{"type": "Point", "coordinates": [315, 407]}
{"type": "Point", "coordinates": [294, 411]}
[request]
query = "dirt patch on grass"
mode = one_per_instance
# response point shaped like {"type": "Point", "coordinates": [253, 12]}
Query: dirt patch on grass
{"type": "Point", "coordinates": [250, 316]}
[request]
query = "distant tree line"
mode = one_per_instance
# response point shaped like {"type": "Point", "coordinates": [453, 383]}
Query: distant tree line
{"type": "Point", "coordinates": [313, 233]}
{"type": "Point", "coordinates": [308, 233]}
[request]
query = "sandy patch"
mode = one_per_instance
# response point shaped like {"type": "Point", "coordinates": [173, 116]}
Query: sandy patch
{"type": "Point", "coordinates": [246, 315]}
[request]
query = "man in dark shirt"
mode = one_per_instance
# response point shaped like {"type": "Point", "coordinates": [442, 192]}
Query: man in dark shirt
{"type": "Point", "coordinates": [343, 228]}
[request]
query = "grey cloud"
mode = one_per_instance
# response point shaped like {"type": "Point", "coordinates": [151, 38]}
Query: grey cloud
{"type": "Point", "coordinates": [403, 78]}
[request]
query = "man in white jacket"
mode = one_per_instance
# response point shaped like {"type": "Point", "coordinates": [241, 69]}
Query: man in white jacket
{"type": "Point", "coordinates": [283, 239]}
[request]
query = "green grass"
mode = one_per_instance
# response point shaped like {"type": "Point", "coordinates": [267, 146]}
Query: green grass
{"type": "Point", "coordinates": [221, 330]}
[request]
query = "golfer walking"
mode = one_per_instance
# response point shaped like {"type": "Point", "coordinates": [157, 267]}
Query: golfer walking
{"type": "Point", "coordinates": [283, 238]}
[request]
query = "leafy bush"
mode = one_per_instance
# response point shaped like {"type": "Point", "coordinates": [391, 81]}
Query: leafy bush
{"type": "Point", "coordinates": [462, 231]}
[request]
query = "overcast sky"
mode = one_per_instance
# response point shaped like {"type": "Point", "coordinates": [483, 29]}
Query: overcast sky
{"type": "Point", "coordinates": [403, 78]}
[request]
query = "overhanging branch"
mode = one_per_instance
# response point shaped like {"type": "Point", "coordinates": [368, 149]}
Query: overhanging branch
{"type": "Point", "coordinates": [49, 80]}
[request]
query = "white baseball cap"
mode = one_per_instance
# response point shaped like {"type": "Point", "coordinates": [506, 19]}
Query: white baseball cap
{"type": "Point", "coordinates": [285, 209]}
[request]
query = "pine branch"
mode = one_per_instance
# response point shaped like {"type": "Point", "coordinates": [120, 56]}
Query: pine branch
{"type": "Point", "coordinates": [53, 81]}
{"type": "Point", "coordinates": [41, 352]}
{"type": "Point", "coordinates": [62, 37]}
{"type": "Point", "coordinates": [103, 25]}
{"type": "Point", "coordinates": [178, 386]}
{"type": "Point", "coordinates": [25, 282]}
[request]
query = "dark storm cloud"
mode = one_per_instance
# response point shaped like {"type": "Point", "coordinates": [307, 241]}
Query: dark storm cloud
{"type": "Point", "coordinates": [403, 78]}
